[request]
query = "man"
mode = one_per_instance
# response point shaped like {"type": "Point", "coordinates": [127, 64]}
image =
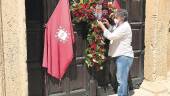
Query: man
{"type": "Point", "coordinates": [120, 48]}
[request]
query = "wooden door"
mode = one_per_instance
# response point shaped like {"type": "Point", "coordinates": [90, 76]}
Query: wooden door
{"type": "Point", "coordinates": [77, 81]}
{"type": "Point", "coordinates": [136, 9]}
{"type": "Point", "coordinates": [34, 25]}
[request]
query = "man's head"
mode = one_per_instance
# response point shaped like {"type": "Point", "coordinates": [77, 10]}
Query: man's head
{"type": "Point", "coordinates": [121, 14]}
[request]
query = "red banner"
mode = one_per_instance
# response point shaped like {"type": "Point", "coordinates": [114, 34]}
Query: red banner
{"type": "Point", "coordinates": [116, 4]}
{"type": "Point", "coordinates": [58, 43]}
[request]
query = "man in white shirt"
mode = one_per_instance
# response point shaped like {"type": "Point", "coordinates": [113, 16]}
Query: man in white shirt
{"type": "Point", "coordinates": [120, 48]}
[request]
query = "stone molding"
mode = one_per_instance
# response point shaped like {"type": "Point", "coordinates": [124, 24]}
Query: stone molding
{"type": "Point", "coordinates": [2, 67]}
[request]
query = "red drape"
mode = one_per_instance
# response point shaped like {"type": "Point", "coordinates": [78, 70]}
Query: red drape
{"type": "Point", "coordinates": [58, 42]}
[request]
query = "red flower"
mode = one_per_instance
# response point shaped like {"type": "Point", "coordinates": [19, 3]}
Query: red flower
{"type": "Point", "coordinates": [110, 11]}
{"type": "Point", "coordinates": [93, 46]}
{"type": "Point", "coordinates": [89, 11]}
{"type": "Point", "coordinates": [105, 4]}
{"type": "Point", "coordinates": [91, 0]}
{"type": "Point", "coordinates": [99, 37]}
{"type": "Point", "coordinates": [96, 29]}
{"type": "Point", "coordinates": [84, 6]}
{"type": "Point", "coordinates": [76, 14]}
{"type": "Point", "coordinates": [91, 17]}
{"type": "Point", "coordinates": [94, 5]}
{"type": "Point", "coordinates": [82, 15]}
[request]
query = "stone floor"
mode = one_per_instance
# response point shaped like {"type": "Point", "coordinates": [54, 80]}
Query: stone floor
{"type": "Point", "coordinates": [162, 88]}
{"type": "Point", "coordinates": [158, 88]}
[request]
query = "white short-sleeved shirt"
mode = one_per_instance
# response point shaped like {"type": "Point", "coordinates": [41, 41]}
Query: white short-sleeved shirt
{"type": "Point", "coordinates": [120, 40]}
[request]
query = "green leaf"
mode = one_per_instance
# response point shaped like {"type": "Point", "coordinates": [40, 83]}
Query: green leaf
{"type": "Point", "coordinates": [89, 55]}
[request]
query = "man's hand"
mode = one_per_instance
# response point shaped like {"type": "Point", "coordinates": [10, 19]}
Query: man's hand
{"type": "Point", "coordinates": [101, 25]}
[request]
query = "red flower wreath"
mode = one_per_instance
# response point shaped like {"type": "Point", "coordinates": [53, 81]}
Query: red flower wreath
{"type": "Point", "coordinates": [95, 52]}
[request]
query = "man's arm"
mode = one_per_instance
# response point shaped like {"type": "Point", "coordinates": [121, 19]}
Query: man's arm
{"type": "Point", "coordinates": [116, 34]}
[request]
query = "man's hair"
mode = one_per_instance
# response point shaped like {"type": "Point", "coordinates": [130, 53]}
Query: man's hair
{"type": "Point", "coordinates": [122, 13]}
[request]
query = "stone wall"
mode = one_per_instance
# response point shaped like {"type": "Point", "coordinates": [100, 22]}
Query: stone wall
{"type": "Point", "coordinates": [13, 70]}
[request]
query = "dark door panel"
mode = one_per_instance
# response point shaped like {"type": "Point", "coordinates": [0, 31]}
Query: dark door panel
{"type": "Point", "coordinates": [34, 25]}
{"type": "Point", "coordinates": [74, 83]}
{"type": "Point", "coordinates": [136, 9]}
{"type": "Point", "coordinates": [55, 87]}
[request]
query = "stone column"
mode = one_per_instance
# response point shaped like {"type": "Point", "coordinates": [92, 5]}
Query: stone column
{"type": "Point", "coordinates": [13, 31]}
{"type": "Point", "coordinates": [156, 40]}
{"type": "Point", "coordinates": [156, 51]}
